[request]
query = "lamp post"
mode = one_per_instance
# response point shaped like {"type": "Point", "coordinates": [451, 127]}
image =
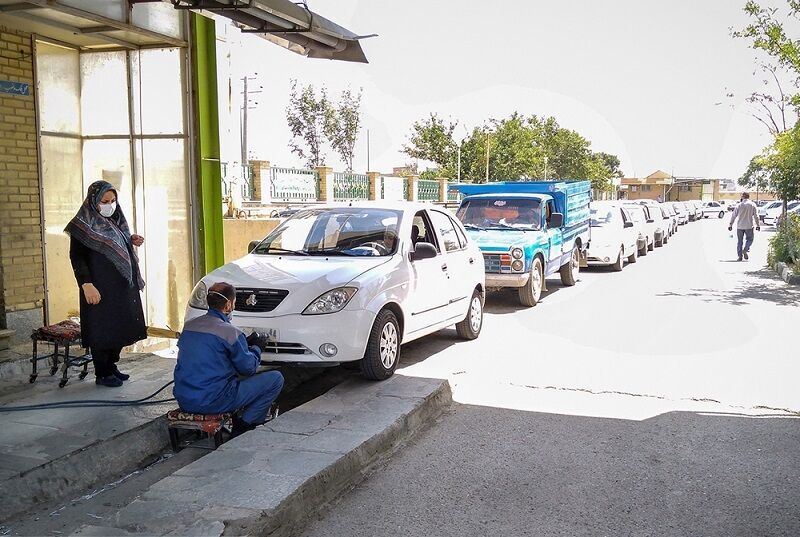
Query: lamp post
{"type": "Point", "coordinates": [545, 167]}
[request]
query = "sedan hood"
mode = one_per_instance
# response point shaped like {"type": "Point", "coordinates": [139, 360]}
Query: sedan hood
{"type": "Point", "coordinates": [305, 278]}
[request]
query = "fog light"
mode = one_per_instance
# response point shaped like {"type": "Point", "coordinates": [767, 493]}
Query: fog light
{"type": "Point", "coordinates": [517, 265]}
{"type": "Point", "coordinates": [328, 349]}
{"type": "Point", "coordinates": [606, 259]}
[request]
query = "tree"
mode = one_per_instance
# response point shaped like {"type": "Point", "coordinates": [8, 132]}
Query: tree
{"type": "Point", "coordinates": [431, 139]}
{"type": "Point", "coordinates": [342, 124]}
{"type": "Point", "coordinates": [307, 115]}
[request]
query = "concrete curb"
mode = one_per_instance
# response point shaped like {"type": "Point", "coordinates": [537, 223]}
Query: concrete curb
{"type": "Point", "coordinates": [271, 481]}
{"type": "Point", "coordinates": [786, 273]}
{"type": "Point", "coordinates": [101, 462]}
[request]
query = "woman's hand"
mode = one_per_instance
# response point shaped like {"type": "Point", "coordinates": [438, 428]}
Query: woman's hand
{"type": "Point", "coordinates": [91, 293]}
{"type": "Point", "coordinates": [137, 240]}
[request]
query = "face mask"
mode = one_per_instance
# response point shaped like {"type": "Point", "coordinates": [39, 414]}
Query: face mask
{"type": "Point", "coordinates": [107, 209]}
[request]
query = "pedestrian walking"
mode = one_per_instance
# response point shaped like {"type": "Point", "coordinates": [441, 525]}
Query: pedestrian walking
{"type": "Point", "coordinates": [107, 270]}
{"type": "Point", "coordinates": [747, 214]}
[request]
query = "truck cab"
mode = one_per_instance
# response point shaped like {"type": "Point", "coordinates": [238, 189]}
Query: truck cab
{"type": "Point", "coordinates": [528, 231]}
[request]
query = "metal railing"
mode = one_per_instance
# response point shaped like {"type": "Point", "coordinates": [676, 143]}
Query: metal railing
{"type": "Point", "coordinates": [293, 184]}
{"type": "Point", "coordinates": [453, 196]}
{"type": "Point", "coordinates": [427, 190]}
{"type": "Point", "coordinates": [350, 186]}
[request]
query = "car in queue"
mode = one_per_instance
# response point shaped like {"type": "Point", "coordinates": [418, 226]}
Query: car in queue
{"type": "Point", "coordinates": [772, 215]}
{"type": "Point", "coordinates": [352, 283]}
{"type": "Point", "coordinates": [673, 217]}
{"type": "Point", "coordinates": [790, 213]}
{"type": "Point", "coordinates": [614, 235]}
{"type": "Point", "coordinates": [663, 222]}
{"type": "Point", "coordinates": [713, 208]}
{"type": "Point", "coordinates": [691, 211]}
{"type": "Point", "coordinates": [762, 210]}
{"type": "Point", "coordinates": [527, 231]}
{"type": "Point", "coordinates": [681, 212]}
{"type": "Point", "coordinates": [645, 225]}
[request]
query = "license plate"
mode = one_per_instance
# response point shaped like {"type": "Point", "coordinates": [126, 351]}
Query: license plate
{"type": "Point", "coordinates": [271, 333]}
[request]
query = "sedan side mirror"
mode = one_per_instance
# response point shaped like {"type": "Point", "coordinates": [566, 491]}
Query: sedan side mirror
{"type": "Point", "coordinates": [424, 250]}
{"type": "Point", "coordinates": [628, 224]}
{"type": "Point", "coordinates": [650, 221]}
{"type": "Point", "coordinates": [556, 220]}
{"type": "Point", "coordinates": [252, 246]}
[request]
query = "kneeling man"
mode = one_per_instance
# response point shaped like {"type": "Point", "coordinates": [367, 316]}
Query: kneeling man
{"type": "Point", "coordinates": [212, 356]}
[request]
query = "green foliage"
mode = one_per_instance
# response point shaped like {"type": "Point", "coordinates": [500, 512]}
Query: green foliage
{"type": "Point", "coordinates": [519, 147]}
{"type": "Point", "coordinates": [766, 32]}
{"type": "Point", "coordinates": [307, 115]}
{"type": "Point", "coordinates": [785, 244]}
{"type": "Point", "coordinates": [342, 123]}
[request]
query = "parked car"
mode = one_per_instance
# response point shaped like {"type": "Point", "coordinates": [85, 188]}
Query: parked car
{"type": "Point", "coordinates": [789, 213]}
{"type": "Point", "coordinates": [673, 216]}
{"type": "Point", "coordinates": [713, 208]}
{"type": "Point", "coordinates": [691, 211]}
{"type": "Point", "coordinates": [388, 272]}
{"type": "Point", "coordinates": [762, 211]}
{"type": "Point", "coordinates": [528, 231]}
{"type": "Point", "coordinates": [681, 211]}
{"type": "Point", "coordinates": [646, 226]}
{"type": "Point", "coordinates": [663, 222]}
{"type": "Point", "coordinates": [772, 214]}
{"type": "Point", "coordinates": [614, 235]}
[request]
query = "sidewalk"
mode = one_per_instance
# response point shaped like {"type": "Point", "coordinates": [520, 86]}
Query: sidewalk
{"type": "Point", "coordinates": [46, 454]}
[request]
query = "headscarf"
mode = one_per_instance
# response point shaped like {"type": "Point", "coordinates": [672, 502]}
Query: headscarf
{"type": "Point", "coordinates": [110, 236]}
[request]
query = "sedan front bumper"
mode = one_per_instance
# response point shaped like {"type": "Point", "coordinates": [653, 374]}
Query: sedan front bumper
{"type": "Point", "coordinates": [507, 280]}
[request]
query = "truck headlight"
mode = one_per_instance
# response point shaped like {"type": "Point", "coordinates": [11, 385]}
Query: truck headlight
{"type": "Point", "coordinates": [516, 253]}
{"type": "Point", "coordinates": [330, 302]}
{"type": "Point", "coordinates": [517, 265]}
{"type": "Point", "coordinates": [198, 297]}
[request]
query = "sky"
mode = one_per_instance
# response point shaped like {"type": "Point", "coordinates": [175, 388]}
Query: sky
{"type": "Point", "coordinates": [643, 79]}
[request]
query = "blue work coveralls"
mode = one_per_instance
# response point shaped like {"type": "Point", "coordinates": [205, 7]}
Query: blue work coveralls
{"type": "Point", "coordinates": [212, 356]}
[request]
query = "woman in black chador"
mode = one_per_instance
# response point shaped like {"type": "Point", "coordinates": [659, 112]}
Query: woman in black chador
{"type": "Point", "coordinates": [107, 269]}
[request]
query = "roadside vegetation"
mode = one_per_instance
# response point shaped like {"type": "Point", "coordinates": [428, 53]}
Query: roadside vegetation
{"type": "Point", "coordinates": [777, 106]}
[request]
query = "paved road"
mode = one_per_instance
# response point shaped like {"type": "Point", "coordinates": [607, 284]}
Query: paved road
{"type": "Point", "coordinates": [646, 402]}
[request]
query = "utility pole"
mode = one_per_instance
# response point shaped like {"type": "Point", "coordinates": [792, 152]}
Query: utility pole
{"type": "Point", "coordinates": [245, 107]}
{"type": "Point", "coordinates": [545, 167]}
{"type": "Point", "coordinates": [459, 163]}
{"type": "Point", "coordinates": [487, 157]}
{"type": "Point", "coordinates": [368, 151]}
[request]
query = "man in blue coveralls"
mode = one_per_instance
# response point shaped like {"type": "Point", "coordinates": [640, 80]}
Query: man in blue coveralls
{"type": "Point", "coordinates": [212, 356]}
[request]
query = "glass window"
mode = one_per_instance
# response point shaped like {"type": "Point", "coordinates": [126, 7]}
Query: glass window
{"type": "Point", "coordinates": [59, 88]}
{"type": "Point", "coordinates": [460, 233]}
{"type": "Point", "coordinates": [599, 217]}
{"type": "Point", "coordinates": [104, 93]}
{"type": "Point", "coordinates": [446, 230]}
{"type": "Point", "coordinates": [483, 213]}
{"type": "Point", "coordinates": [113, 9]}
{"type": "Point", "coordinates": [157, 81]}
{"type": "Point", "coordinates": [110, 160]}
{"type": "Point", "coordinates": [422, 232]}
{"type": "Point", "coordinates": [158, 17]}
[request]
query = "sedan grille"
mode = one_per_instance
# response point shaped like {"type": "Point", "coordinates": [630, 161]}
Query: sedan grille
{"type": "Point", "coordinates": [259, 300]}
{"type": "Point", "coordinates": [278, 347]}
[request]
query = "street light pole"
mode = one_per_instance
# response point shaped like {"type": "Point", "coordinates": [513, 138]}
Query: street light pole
{"type": "Point", "coordinates": [545, 167]}
{"type": "Point", "coordinates": [459, 163]}
{"type": "Point", "coordinates": [487, 157]}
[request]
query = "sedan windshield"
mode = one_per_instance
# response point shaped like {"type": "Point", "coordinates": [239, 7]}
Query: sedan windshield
{"type": "Point", "coordinates": [346, 231]}
{"type": "Point", "coordinates": [492, 213]}
{"type": "Point", "coordinates": [601, 217]}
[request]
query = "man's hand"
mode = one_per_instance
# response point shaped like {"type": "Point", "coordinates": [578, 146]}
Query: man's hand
{"type": "Point", "coordinates": [758, 228]}
{"type": "Point", "coordinates": [730, 228]}
{"type": "Point", "coordinates": [258, 339]}
{"type": "Point", "coordinates": [91, 293]}
{"type": "Point", "coordinates": [137, 240]}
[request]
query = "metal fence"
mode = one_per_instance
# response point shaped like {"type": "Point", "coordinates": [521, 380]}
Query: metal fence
{"type": "Point", "coordinates": [292, 184]}
{"type": "Point", "coordinates": [350, 186]}
{"type": "Point", "coordinates": [428, 190]}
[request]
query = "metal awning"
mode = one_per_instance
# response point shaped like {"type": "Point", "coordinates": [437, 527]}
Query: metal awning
{"type": "Point", "coordinates": [80, 27]}
{"type": "Point", "coordinates": [287, 24]}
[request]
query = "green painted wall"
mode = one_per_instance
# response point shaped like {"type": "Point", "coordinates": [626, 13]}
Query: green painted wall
{"type": "Point", "coordinates": [209, 175]}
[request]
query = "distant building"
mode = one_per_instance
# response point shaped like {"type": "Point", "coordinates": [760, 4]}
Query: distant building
{"type": "Point", "coordinates": [662, 186]}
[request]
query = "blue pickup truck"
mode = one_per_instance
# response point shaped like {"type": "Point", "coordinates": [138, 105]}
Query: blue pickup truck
{"type": "Point", "coordinates": [528, 231]}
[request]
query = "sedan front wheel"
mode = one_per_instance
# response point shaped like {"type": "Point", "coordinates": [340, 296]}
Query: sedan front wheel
{"type": "Point", "coordinates": [383, 347]}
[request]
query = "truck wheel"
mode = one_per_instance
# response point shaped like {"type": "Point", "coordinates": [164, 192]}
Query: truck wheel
{"type": "Point", "coordinates": [530, 293]}
{"type": "Point", "coordinates": [470, 327]}
{"type": "Point", "coordinates": [619, 263]}
{"type": "Point", "coordinates": [383, 347]}
{"type": "Point", "coordinates": [634, 256]}
{"type": "Point", "coordinates": [569, 271]}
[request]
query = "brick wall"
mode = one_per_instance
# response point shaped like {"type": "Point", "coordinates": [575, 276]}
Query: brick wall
{"type": "Point", "coordinates": [20, 223]}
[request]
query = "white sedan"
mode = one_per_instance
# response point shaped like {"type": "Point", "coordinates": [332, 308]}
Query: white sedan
{"type": "Point", "coordinates": [713, 208]}
{"type": "Point", "coordinates": [614, 235]}
{"type": "Point", "coordinates": [344, 284]}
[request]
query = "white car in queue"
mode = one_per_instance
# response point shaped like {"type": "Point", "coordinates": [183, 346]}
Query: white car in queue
{"type": "Point", "coordinates": [337, 284]}
{"type": "Point", "coordinates": [647, 226]}
{"type": "Point", "coordinates": [614, 235]}
{"type": "Point", "coordinates": [713, 208]}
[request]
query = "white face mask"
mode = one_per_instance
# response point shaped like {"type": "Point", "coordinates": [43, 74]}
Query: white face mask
{"type": "Point", "coordinates": [107, 209]}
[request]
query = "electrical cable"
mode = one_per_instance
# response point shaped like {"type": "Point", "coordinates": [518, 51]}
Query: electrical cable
{"type": "Point", "coordinates": [92, 403]}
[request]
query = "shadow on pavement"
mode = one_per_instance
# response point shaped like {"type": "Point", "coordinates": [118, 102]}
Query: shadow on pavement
{"type": "Point", "coordinates": [423, 348]}
{"type": "Point", "coordinates": [494, 471]}
{"type": "Point", "coordinates": [507, 300]}
{"type": "Point", "coordinates": [763, 285]}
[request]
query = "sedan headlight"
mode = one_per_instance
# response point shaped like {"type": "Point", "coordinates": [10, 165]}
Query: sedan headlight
{"type": "Point", "coordinates": [330, 302]}
{"type": "Point", "coordinates": [516, 253]}
{"type": "Point", "coordinates": [198, 297]}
